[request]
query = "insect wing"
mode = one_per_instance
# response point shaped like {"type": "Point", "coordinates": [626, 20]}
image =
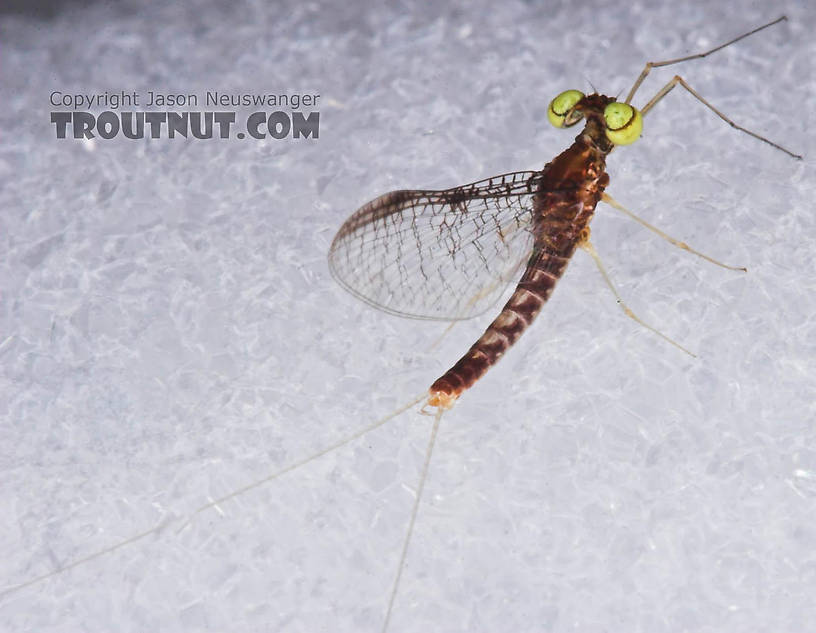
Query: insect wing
{"type": "Point", "coordinates": [444, 255]}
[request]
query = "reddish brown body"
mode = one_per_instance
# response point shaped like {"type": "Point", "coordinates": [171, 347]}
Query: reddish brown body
{"type": "Point", "coordinates": [417, 253]}
{"type": "Point", "coordinates": [568, 192]}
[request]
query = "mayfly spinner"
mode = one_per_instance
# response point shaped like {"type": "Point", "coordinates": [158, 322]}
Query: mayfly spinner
{"type": "Point", "coordinates": [448, 254]}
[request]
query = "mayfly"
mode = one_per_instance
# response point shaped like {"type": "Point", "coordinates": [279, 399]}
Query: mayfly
{"type": "Point", "coordinates": [449, 254]}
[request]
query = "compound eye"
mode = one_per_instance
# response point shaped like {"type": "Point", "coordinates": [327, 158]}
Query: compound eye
{"type": "Point", "coordinates": [623, 123]}
{"type": "Point", "coordinates": [560, 111]}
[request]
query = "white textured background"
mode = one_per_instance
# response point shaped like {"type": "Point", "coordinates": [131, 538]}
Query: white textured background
{"type": "Point", "coordinates": [169, 332]}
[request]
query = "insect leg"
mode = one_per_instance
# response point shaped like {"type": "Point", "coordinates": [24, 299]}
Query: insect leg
{"type": "Point", "coordinates": [679, 80]}
{"type": "Point", "coordinates": [614, 203]}
{"type": "Point", "coordinates": [650, 65]}
{"type": "Point", "coordinates": [589, 248]}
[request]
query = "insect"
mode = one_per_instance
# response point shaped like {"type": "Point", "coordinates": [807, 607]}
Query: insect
{"type": "Point", "coordinates": [448, 254]}
{"type": "Point", "coordinates": [474, 241]}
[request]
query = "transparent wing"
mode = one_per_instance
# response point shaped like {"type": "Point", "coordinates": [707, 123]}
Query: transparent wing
{"type": "Point", "coordinates": [444, 255]}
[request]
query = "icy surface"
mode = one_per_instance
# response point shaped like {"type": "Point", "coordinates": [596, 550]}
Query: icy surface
{"type": "Point", "coordinates": [169, 332]}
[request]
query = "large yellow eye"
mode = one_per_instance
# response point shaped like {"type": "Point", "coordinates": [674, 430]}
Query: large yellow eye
{"type": "Point", "coordinates": [623, 123]}
{"type": "Point", "coordinates": [560, 108]}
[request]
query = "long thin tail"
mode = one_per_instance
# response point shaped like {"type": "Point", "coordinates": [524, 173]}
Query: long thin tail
{"type": "Point", "coordinates": [212, 504]}
{"type": "Point", "coordinates": [414, 510]}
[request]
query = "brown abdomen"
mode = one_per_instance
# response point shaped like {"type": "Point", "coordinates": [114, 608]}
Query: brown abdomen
{"type": "Point", "coordinates": [563, 207]}
{"type": "Point", "coordinates": [535, 287]}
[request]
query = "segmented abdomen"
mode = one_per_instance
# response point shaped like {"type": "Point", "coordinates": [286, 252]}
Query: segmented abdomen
{"type": "Point", "coordinates": [535, 287]}
{"type": "Point", "coordinates": [563, 208]}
